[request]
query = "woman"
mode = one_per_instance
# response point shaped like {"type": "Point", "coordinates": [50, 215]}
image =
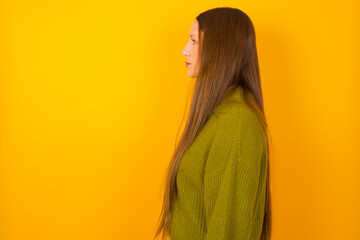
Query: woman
{"type": "Point", "coordinates": [218, 178]}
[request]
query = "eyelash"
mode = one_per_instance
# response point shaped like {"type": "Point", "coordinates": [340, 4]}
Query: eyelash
{"type": "Point", "coordinates": [193, 41]}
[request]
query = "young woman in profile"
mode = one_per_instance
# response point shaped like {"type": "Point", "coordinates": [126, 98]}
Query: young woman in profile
{"type": "Point", "coordinates": [218, 179]}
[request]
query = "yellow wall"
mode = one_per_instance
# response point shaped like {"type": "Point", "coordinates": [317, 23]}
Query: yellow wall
{"type": "Point", "coordinates": [92, 94]}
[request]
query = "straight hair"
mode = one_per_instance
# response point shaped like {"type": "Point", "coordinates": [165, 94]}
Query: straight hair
{"type": "Point", "coordinates": [228, 59]}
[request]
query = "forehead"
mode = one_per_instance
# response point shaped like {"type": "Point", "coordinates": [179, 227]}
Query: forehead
{"type": "Point", "coordinates": [194, 29]}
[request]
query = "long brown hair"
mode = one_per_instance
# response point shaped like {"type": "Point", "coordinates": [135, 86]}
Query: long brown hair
{"type": "Point", "coordinates": [228, 58]}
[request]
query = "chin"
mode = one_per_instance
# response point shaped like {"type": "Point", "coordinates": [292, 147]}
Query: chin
{"type": "Point", "coordinates": [193, 76]}
{"type": "Point", "coordinates": [191, 73]}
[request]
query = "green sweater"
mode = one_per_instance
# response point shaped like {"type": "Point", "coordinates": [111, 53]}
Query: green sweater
{"type": "Point", "coordinates": [221, 179]}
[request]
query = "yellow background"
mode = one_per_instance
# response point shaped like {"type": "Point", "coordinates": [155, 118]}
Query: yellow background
{"type": "Point", "coordinates": [92, 94]}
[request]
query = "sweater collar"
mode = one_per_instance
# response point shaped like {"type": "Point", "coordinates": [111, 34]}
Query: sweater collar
{"type": "Point", "coordinates": [234, 96]}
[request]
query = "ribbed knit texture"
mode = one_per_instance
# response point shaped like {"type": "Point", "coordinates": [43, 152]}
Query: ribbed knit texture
{"type": "Point", "coordinates": [221, 179]}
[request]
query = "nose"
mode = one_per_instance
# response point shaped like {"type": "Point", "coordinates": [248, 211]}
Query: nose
{"type": "Point", "coordinates": [185, 52]}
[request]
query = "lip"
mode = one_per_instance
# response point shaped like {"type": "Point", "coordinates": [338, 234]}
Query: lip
{"type": "Point", "coordinates": [187, 64]}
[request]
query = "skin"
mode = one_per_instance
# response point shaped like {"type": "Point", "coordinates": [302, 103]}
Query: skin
{"type": "Point", "coordinates": [191, 50]}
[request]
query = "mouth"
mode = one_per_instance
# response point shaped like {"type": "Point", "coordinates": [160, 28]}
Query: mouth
{"type": "Point", "coordinates": [187, 64]}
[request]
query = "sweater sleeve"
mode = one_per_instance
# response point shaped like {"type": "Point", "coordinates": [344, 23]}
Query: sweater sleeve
{"type": "Point", "coordinates": [231, 185]}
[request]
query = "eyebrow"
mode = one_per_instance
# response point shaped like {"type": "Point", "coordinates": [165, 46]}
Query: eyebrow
{"type": "Point", "coordinates": [193, 35]}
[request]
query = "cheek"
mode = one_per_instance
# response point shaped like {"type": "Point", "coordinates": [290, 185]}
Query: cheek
{"type": "Point", "coordinates": [196, 55]}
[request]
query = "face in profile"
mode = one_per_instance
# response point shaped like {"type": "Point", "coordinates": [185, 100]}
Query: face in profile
{"type": "Point", "coordinates": [191, 50]}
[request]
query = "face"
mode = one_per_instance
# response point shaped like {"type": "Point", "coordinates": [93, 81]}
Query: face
{"type": "Point", "coordinates": [191, 50]}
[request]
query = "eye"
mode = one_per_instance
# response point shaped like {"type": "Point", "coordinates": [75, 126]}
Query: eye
{"type": "Point", "coordinates": [193, 40]}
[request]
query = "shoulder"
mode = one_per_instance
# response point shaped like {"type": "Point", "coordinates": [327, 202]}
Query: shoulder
{"type": "Point", "coordinates": [241, 128]}
{"type": "Point", "coordinates": [250, 142]}
{"type": "Point", "coordinates": [237, 118]}
{"type": "Point", "coordinates": [249, 120]}
{"type": "Point", "coordinates": [238, 139]}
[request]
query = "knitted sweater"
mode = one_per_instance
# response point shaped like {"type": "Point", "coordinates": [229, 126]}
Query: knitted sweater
{"type": "Point", "coordinates": [221, 179]}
